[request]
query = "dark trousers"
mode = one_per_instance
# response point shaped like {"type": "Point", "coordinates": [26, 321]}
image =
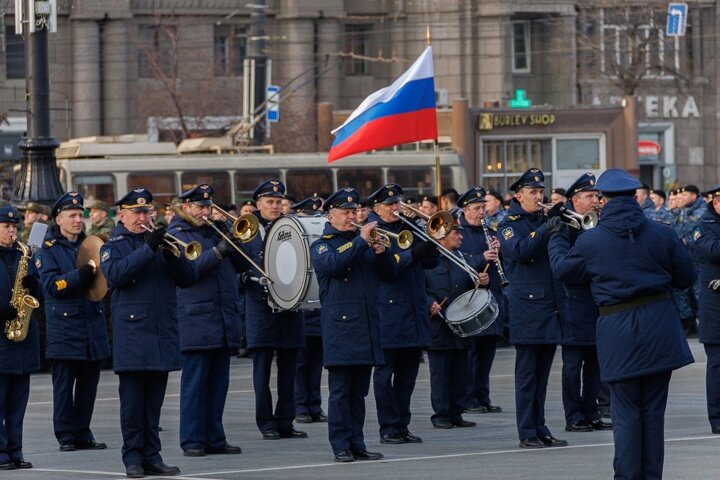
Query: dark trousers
{"type": "Point", "coordinates": [74, 390]}
{"type": "Point", "coordinates": [14, 393]}
{"type": "Point", "coordinates": [481, 357]}
{"type": "Point", "coordinates": [141, 398]}
{"type": "Point", "coordinates": [580, 383]}
{"type": "Point", "coordinates": [638, 413]}
{"type": "Point", "coordinates": [532, 370]}
{"type": "Point", "coordinates": [349, 385]}
{"type": "Point", "coordinates": [203, 389]}
{"type": "Point", "coordinates": [393, 384]}
{"type": "Point", "coordinates": [712, 383]}
{"type": "Point", "coordinates": [604, 399]}
{"type": "Point", "coordinates": [308, 377]}
{"type": "Point", "coordinates": [448, 375]}
{"type": "Point", "coordinates": [281, 419]}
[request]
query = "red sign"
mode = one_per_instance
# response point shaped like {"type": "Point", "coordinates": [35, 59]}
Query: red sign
{"type": "Point", "coordinates": [648, 148]}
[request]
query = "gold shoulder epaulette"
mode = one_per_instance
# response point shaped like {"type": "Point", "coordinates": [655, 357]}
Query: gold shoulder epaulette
{"type": "Point", "coordinates": [512, 218]}
{"type": "Point", "coordinates": [327, 236]}
{"type": "Point", "coordinates": [49, 243]}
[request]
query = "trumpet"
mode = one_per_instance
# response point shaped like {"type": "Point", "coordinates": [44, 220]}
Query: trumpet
{"type": "Point", "coordinates": [192, 249]}
{"type": "Point", "coordinates": [439, 224]}
{"type": "Point", "coordinates": [575, 220]}
{"type": "Point", "coordinates": [244, 227]}
{"type": "Point", "coordinates": [404, 239]}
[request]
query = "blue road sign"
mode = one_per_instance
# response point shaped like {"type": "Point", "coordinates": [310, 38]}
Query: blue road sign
{"type": "Point", "coordinates": [676, 20]}
{"type": "Point", "coordinates": [272, 94]}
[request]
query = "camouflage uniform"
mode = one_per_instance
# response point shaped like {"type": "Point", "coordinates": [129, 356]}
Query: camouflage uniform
{"type": "Point", "coordinates": [103, 229]}
{"type": "Point", "coordinates": [662, 215]}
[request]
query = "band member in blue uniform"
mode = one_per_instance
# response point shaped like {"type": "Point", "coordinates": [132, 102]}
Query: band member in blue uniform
{"type": "Point", "coordinates": [448, 353]}
{"type": "Point", "coordinates": [142, 277]}
{"type": "Point", "coordinates": [640, 340]}
{"type": "Point", "coordinates": [580, 371]}
{"type": "Point", "coordinates": [209, 328]}
{"type": "Point", "coordinates": [482, 347]}
{"type": "Point", "coordinates": [270, 333]}
{"type": "Point", "coordinates": [77, 340]}
{"type": "Point", "coordinates": [346, 265]}
{"type": "Point", "coordinates": [707, 250]}
{"type": "Point", "coordinates": [536, 303]}
{"type": "Point", "coordinates": [17, 359]}
{"type": "Point", "coordinates": [308, 401]}
{"type": "Point", "coordinates": [404, 308]}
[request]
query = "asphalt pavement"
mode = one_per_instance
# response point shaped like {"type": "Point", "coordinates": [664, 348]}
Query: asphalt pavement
{"type": "Point", "coordinates": [488, 451]}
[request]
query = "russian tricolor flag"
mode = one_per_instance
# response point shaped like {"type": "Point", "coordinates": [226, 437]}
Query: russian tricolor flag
{"type": "Point", "coordinates": [401, 113]}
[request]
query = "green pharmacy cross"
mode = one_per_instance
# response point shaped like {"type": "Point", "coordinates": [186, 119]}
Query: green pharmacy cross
{"type": "Point", "coordinates": [520, 100]}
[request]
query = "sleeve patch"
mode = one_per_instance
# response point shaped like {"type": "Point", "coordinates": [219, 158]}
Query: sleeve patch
{"type": "Point", "coordinates": [697, 233]}
{"type": "Point", "coordinates": [397, 258]}
{"type": "Point", "coordinates": [321, 248]}
{"type": "Point", "coordinates": [342, 248]}
{"type": "Point", "coordinates": [532, 234]}
{"type": "Point", "coordinates": [507, 233]}
{"type": "Point", "coordinates": [105, 255]}
{"type": "Point", "coordinates": [60, 285]}
{"type": "Point", "coordinates": [38, 262]}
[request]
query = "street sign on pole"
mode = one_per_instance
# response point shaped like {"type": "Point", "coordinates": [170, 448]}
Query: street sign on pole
{"type": "Point", "coordinates": [272, 96]}
{"type": "Point", "coordinates": [676, 20]}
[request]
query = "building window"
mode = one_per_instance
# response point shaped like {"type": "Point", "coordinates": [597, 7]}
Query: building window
{"type": "Point", "coordinates": [578, 154]}
{"type": "Point", "coordinates": [220, 182]}
{"type": "Point", "coordinates": [629, 35]}
{"type": "Point", "coordinates": [357, 38]}
{"type": "Point", "coordinates": [521, 47]}
{"type": "Point", "coordinates": [504, 161]}
{"type": "Point", "coordinates": [161, 184]}
{"type": "Point", "coordinates": [304, 183]}
{"type": "Point", "coordinates": [248, 180]}
{"type": "Point", "coordinates": [157, 50]}
{"type": "Point", "coordinates": [229, 50]}
{"type": "Point", "coordinates": [14, 54]}
{"type": "Point", "coordinates": [365, 180]}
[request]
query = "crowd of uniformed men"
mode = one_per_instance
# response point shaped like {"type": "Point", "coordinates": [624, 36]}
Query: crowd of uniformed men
{"type": "Point", "coordinates": [615, 297]}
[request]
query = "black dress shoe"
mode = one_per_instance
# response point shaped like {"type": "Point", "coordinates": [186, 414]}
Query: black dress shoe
{"type": "Point", "coordinates": [134, 471]}
{"type": "Point", "coordinates": [463, 423]}
{"type": "Point", "coordinates": [601, 425]}
{"type": "Point", "coordinates": [7, 465]}
{"type": "Point", "coordinates": [20, 463]}
{"type": "Point", "coordinates": [551, 441]}
{"type": "Point", "coordinates": [194, 452]}
{"type": "Point", "coordinates": [161, 470]}
{"type": "Point", "coordinates": [226, 449]}
{"type": "Point", "coordinates": [319, 417]}
{"type": "Point", "coordinates": [532, 442]}
{"type": "Point", "coordinates": [344, 457]}
{"type": "Point", "coordinates": [90, 445]}
{"type": "Point", "coordinates": [492, 408]}
{"type": "Point", "coordinates": [579, 426]}
{"type": "Point", "coordinates": [410, 438]}
{"type": "Point", "coordinates": [271, 435]}
{"type": "Point", "coordinates": [391, 438]}
{"type": "Point", "coordinates": [445, 424]}
{"type": "Point", "coordinates": [716, 430]}
{"type": "Point", "coordinates": [67, 447]}
{"type": "Point", "coordinates": [368, 456]}
{"type": "Point", "coordinates": [292, 433]}
{"type": "Point", "coordinates": [476, 409]}
{"type": "Point", "coordinates": [304, 418]}
{"type": "Point", "coordinates": [160, 429]}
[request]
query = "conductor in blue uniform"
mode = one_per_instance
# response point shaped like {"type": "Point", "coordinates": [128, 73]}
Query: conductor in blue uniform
{"type": "Point", "coordinates": [537, 305]}
{"type": "Point", "coordinates": [17, 359]}
{"type": "Point", "coordinates": [580, 371]}
{"type": "Point", "coordinates": [707, 250]}
{"type": "Point", "coordinates": [346, 265]}
{"type": "Point", "coordinates": [633, 264]}
{"type": "Point", "coordinates": [77, 340]}
{"type": "Point", "coordinates": [209, 328]}
{"type": "Point", "coordinates": [142, 279]}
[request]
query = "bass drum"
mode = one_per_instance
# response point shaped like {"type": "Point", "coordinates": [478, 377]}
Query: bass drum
{"type": "Point", "coordinates": [470, 314]}
{"type": "Point", "coordinates": [286, 256]}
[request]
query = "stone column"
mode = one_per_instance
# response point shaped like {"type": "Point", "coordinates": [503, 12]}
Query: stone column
{"type": "Point", "coordinates": [115, 66]}
{"type": "Point", "coordinates": [86, 78]}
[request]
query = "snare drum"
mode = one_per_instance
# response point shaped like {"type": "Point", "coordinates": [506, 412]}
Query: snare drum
{"type": "Point", "coordinates": [286, 257]}
{"type": "Point", "coordinates": [467, 317]}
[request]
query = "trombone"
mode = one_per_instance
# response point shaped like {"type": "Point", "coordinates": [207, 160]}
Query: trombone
{"type": "Point", "coordinates": [244, 227]}
{"type": "Point", "coordinates": [575, 220]}
{"type": "Point", "coordinates": [404, 239]}
{"type": "Point", "coordinates": [439, 224]}
{"type": "Point", "coordinates": [173, 244]}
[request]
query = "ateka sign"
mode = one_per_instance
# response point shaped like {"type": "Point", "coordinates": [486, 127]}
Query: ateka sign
{"type": "Point", "coordinates": [662, 106]}
{"type": "Point", "coordinates": [648, 148]}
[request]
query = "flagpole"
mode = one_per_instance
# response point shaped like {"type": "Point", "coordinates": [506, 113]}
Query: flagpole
{"type": "Point", "coordinates": [438, 175]}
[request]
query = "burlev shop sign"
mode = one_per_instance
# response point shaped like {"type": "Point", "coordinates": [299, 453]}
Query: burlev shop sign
{"type": "Point", "coordinates": [662, 106]}
{"type": "Point", "coordinates": [488, 121]}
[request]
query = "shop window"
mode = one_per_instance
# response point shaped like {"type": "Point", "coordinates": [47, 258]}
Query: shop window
{"type": "Point", "coordinates": [521, 47]}
{"type": "Point", "coordinates": [220, 182]}
{"type": "Point", "coordinates": [504, 161]}
{"type": "Point", "coordinates": [305, 183]}
{"type": "Point", "coordinates": [364, 180]}
{"type": "Point", "coordinates": [578, 154]}
{"type": "Point", "coordinates": [248, 180]}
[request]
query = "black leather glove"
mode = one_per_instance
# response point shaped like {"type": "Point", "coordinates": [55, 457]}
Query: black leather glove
{"type": "Point", "coordinates": [30, 282]}
{"type": "Point", "coordinates": [155, 238]}
{"type": "Point", "coordinates": [424, 249]}
{"type": "Point", "coordinates": [556, 211]}
{"type": "Point", "coordinates": [556, 225]}
{"type": "Point", "coordinates": [8, 313]}
{"type": "Point", "coordinates": [224, 247]}
{"type": "Point", "coordinates": [86, 275]}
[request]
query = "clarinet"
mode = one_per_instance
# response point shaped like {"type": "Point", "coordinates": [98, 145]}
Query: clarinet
{"type": "Point", "coordinates": [498, 264]}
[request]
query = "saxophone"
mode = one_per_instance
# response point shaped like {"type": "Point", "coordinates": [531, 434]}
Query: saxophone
{"type": "Point", "coordinates": [16, 329]}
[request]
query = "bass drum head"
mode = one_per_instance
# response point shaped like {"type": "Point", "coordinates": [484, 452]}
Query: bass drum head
{"type": "Point", "coordinates": [470, 317]}
{"type": "Point", "coordinates": [286, 256]}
